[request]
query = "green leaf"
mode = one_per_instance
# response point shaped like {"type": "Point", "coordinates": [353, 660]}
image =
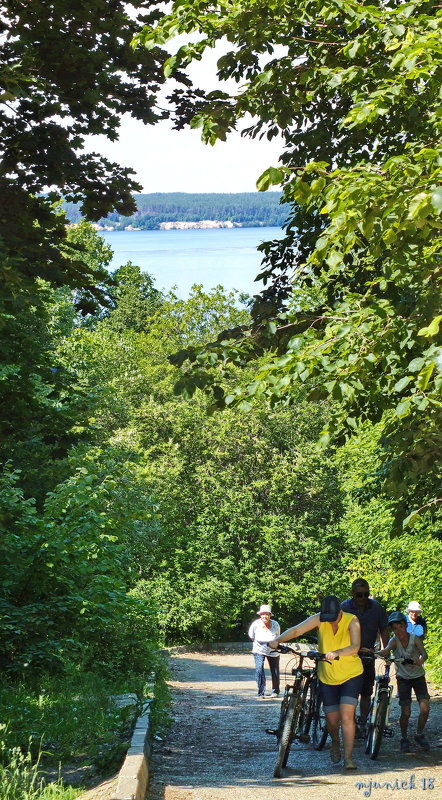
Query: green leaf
{"type": "Point", "coordinates": [411, 519]}
{"type": "Point", "coordinates": [423, 379]}
{"type": "Point", "coordinates": [416, 364]}
{"type": "Point", "coordinates": [432, 329]}
{"type": "Point", "coordinates": [400, 385]}
{"type": "Point", "coordinates": [403, 409]}
{"type": "Point", "coordinates": [436, 199]}
{"type": "Point", "coordinates": [354, 48]}
{"type": "Point", "coordinates": [334, 259]}
{"type": "Point", "coordinates": [169, 66]}
{"type": "Point", "coordinates": [418, 204]}
{"type": "Point", "coordinates": [270, 177]}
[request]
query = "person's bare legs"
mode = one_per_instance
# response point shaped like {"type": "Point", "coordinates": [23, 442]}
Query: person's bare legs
{"type": "Point", "coordinates": [424, 710]}
{"type": "Point", "coordinates": [403, 720]}
{"type": "Point", "coordinates": [333, 725]}
{"type": "Point", "coordinates": [347, 714]}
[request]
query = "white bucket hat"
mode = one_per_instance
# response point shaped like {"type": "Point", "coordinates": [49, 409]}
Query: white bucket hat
{"type": "Point", "coordinates": [264, 610]}
{"type": "Point", "coordinates": [414, 606]}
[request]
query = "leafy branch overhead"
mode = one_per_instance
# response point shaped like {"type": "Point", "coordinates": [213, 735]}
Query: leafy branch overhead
{"type": "Point", "coordinates": [67, 71]}
{"type": "Point", "coordinates": [352, 305]}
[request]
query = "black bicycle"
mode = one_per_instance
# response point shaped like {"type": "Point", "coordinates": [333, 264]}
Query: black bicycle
{"type": "Point", "coordinates": [377, 725]}
{"type": "Point", "coordinates": [301, 708]}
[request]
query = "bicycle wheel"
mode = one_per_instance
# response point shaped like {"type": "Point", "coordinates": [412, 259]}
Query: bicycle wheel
{"type": "Point", "coordinates": [302, 730]}
{"type": "Point", "coordinates": [286, 737]}
{"type": "Point", "coordinates": [369, 732]}
{"type": "Point", "coordinates": [320, 730]}
{"type": "Point", "coordinates": [377, 730]}
{"type": "Point", "coordinates": [283, 710]}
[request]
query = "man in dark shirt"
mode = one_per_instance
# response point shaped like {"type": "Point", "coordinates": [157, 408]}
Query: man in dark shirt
{"type": "Point", "coordinates": [373, 621]}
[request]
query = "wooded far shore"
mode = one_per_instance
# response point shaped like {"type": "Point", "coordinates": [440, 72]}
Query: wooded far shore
{"type": "Point", "coordinates": [245, 209]}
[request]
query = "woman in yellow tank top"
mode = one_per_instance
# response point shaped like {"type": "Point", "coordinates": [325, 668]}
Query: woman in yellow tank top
{"type": "Point", "coordinates": [339, 637]}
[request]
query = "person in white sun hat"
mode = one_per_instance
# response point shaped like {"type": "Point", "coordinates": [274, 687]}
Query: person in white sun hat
{"type": "Point", "coordinates": [415, 623]}
{"type": "Point", "coordinates": [263, 630]}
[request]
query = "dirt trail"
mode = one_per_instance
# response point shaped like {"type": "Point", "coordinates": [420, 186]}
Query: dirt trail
{"type": "Point", "coordinates": [217, 748]}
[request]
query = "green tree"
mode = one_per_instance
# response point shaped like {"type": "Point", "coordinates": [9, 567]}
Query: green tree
{"type": "Point", "coordinates": [401, 567]}
{"type": "Point", "coordinates": [248, 511]}
{"type": "Point", "coordinates": [354, 91]}
{"type": "Point", "coordinates": [134, 299]}
{"type": "Point", "coordinates": [67, 570]}
{"type": "Point", "coordinates": [68, 72]}
{"type": "Point", "coordinates": [238, 503]}
{"type": "Point", "coordinates": [42, 403]}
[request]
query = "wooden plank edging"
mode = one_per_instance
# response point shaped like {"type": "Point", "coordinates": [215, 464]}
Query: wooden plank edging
{"type": "Point", "coordinates": [133, 777]}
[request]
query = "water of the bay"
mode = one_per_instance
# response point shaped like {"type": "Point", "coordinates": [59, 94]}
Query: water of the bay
{"type": "Point", "coordinates": [182, 258]}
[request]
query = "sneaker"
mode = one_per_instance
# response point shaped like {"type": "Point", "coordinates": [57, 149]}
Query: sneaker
{"type": "Point", "coordinates": [274, 694]}
{"type": "Point", "coordinates": [405, 746]}
{"type": "Point", "coordinates": [350, 764]}
{"type": "Point", "coordinates": [260, 696]}
{"type": "Point", "coordinates": [422, 741]}
{"type": "Point", "coordinates": [335, 752]}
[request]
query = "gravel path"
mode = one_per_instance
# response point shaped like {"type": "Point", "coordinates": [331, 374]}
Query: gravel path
{"type": "Point", "coordinates": [217, 748]}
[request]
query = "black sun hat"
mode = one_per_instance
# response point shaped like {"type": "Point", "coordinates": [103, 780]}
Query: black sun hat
{"type": "Point", "coordinates": [330, 608]}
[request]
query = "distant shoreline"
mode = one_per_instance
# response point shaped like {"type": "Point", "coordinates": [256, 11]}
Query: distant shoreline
{"type": "Point", "coordinates": [178, 211]}
{"type": "Point", "coordinates": [182, 225]}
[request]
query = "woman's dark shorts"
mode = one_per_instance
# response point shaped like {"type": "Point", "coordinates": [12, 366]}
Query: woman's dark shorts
{"type": "Point", "coordinates": [347, 692]}
{"type": "Point", "coordinates": [405, 685]}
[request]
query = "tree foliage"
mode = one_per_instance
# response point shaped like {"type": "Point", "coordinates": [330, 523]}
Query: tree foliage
{"type": "Point", "coordinates": [399, 568]}
{"type": "Point", "coordinates": [239, 502]}
{"type": "Point", "coordinates": [355, 91]}
{"type": "Point", "coordinates": [161, 522]}
{"type": "Point", "coordinates": [67, 72]}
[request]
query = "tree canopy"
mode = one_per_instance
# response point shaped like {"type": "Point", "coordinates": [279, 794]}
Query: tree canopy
{"type": "Point", "coordinates": [128, 515]}
{"type": "Point", "coordinates": [352, 306]}
{"type": "Point", "coordinates": [67, 71]}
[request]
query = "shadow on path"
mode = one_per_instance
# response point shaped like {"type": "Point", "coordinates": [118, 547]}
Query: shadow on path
{"type": "Point", "coordinates": [217, 748]}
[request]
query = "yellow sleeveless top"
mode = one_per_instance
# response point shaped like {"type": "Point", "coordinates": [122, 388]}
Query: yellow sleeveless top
{"type": "Point", "coordinates": [348, 666]}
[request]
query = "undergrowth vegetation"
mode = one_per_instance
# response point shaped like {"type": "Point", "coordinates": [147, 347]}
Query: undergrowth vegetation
{"type": "Point", "coordinates": [20, 778]}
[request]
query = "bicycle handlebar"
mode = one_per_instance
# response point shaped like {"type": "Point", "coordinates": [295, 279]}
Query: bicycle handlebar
{"type": "Point", "coordinates": [387, 659]}
{"type": "Point", "coordinates": [313, 654]}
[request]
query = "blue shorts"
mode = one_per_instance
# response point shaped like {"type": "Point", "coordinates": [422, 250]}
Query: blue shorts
{"type": "Point", "coordinates": [335, 694]}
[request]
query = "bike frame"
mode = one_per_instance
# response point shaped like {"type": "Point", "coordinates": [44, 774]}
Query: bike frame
{"type": "Point", "coordinates": [298, 708]}
{"type": "Point", "coordinates": [384, 688]}
{"type": "Point", "coordinates": [299, 686]}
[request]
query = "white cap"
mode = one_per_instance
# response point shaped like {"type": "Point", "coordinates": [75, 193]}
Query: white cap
{"type": "Point", "coordinates": [414, 606]}
{"type": "Point", "coordinates": [264, 610]}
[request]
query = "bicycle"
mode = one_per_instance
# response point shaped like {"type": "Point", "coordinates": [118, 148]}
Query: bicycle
{"type": "Point", "coordinates": [378, 715]}
{"type": "Point", "coordinates": [301, 708]}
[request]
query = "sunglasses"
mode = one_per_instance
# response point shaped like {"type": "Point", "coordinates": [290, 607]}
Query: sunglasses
{"type": "Point", "coordinates": [362, 594]}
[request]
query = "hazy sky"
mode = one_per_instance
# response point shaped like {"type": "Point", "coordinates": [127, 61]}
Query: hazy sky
{"type": "Point", "coordinates": [168, 161]}
{"type": "Point", "coordinates": [177, 161]}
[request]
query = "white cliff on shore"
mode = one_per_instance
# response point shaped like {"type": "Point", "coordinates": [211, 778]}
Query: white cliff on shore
{"type": "Point", "coordinates": [203, 223]}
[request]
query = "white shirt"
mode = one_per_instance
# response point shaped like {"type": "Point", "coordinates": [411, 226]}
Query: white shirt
{"type": "Point", "coordinates": [261, 633]}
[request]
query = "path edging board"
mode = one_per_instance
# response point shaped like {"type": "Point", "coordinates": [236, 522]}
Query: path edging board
{"type": "Point", "coordinates": [133, 777]}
